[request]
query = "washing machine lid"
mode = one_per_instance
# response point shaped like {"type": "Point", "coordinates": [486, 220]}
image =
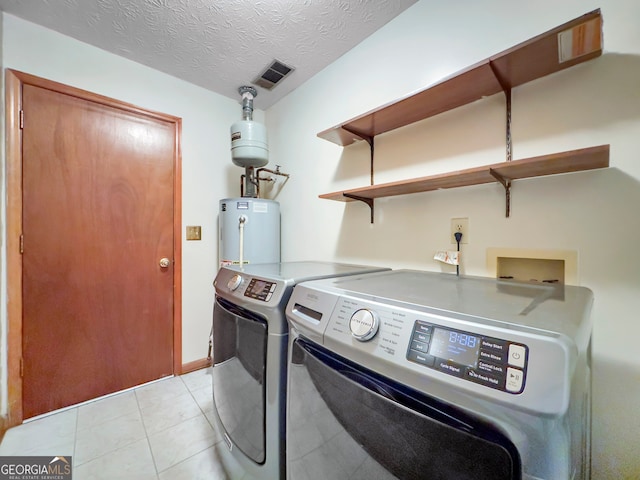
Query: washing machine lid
{"type": "Point", "coordinates": [556, 308]}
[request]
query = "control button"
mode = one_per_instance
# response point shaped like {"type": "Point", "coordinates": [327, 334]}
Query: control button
{"type": "Point", "coordinates": [269, 295]}
{"type": "Point", "coordinates": [421, 358]}
{"type": "Point", "coordinates": [493, 356]}
{"type": "Point", "coordinates": [421, 337]}
{"type": "Point", "coordinates": [449, 367]}
{"type": "Point", "coordinates": [517, 355]}
{"type": "Point", "coordinates": [419, 346]}
{"type": "Point", "coordinates": [493, 344]}
{"type": "Point", "coordinates": [364, 325]}
{"type": "Point", "coordinates": [273, 287]}
{"type": "Point", "coordinates": [234, 282]}
{"type": "Point", "coordinates": [423, 328]}
{"type": "Point", "coordinates": [492, 368]}
{"type": "Point", "coordinates": [515, 378]}
{"type": "Point", "coordinates": [484, 378]}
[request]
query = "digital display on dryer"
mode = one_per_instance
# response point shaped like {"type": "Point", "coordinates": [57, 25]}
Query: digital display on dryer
{"type": "Point", "coordinates": [260, 289]}
{"type": "Point", "coordinates": [458, 347]}
{"type": "Point", "coordinates": [258, 286]}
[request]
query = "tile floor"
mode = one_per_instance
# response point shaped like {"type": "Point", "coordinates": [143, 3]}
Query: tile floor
{"type": "Point", "coordinates": [163, 430]}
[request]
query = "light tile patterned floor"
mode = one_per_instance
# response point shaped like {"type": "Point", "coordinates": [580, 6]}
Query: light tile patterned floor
{"type": "Point", "coordinates": [158, 431]}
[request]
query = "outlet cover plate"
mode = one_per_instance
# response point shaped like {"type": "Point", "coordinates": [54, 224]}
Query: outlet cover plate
{"type": "Point", "coordinates": [460, 225]}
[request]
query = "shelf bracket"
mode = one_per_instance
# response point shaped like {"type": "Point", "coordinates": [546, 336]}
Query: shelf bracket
{"type": "Point", "coordinates": [368, 201]}
{"type": "Point", "coordinates": [507, 93]}
{"type": "Point", "coordinates": [506, 183]}
{"type": "Point", "coordinates": [369, 140]}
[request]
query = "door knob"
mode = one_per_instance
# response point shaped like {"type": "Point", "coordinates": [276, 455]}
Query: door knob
{"type": "Point", "coordinates": [165, 262]}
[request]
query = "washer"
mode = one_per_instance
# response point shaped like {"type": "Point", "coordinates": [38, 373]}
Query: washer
{"type": "Point", "coordinates": [250, 335]}
{"type": "Point", "coordinates": [407, 374]}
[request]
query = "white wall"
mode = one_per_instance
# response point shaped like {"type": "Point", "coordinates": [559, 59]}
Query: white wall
{"type": "Point", "coordinates": [207, 172]}
{"type": "Point", "coordinates": [593, 213]}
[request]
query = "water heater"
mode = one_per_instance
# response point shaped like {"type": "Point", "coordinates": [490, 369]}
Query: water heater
{"type": "Point", "coordinates": [249, 231]}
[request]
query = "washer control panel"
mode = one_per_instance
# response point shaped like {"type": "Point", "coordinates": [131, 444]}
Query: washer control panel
{"type": "Point", "coordinates": [260, 289]}
{"type": "Point", "coordinates": [493, 362]}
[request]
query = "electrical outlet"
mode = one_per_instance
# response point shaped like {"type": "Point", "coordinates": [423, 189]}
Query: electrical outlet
{"type": "Point", "coordinates": [460, 225]}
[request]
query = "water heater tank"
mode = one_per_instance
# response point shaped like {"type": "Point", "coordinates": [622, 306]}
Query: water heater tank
{"type": "Point", "coordinates": [252, 224]}
{"type": "Point", "coordinates": [249, 146]}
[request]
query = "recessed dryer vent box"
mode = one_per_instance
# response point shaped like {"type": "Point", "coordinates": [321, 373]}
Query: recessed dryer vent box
{"type": "Point", "coordinates": [544, 266]}
{"type": "Point", "coordinates": [531, 269]}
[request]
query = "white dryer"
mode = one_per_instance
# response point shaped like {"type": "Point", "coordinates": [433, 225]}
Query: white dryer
{"type": "Point", "coordinates": [417, 375]}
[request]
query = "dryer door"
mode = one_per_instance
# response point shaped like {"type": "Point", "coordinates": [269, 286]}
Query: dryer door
{"type": "Point", "coordinates": [239, 358]}
{"type": "Point", "coordinates": [346, 422]}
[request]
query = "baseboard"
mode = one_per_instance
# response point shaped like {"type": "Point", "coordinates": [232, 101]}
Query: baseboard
{"type": "Point", "coordinates": [195, 365]}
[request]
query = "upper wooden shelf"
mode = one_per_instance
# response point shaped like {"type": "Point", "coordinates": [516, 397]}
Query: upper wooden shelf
{"type": "Point", "coordinates": [569, 44]}
{"type": "Point", "coordinates": [564, 162]}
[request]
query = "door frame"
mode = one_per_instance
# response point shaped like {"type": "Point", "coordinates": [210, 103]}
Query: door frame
{"type": "Point", "coordinates": [14, 80]}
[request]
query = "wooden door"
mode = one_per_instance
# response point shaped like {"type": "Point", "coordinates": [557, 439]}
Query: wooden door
{"type": "Point", "coordinates": [97, 218]}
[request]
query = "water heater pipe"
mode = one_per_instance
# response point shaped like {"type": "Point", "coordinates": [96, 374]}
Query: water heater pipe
{"type": "Point", "coordinates": [241, 221]}
{"type": "Point", "coordinates": [243, 179]}
{"type": "Point", "coordinates": [275, 172]}
{"type": "Point", "coordinates": [248, 94]}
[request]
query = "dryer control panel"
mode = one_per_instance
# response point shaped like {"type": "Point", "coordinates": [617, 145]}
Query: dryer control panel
{"type": "Point", "coordinates": [488, 361]}
{"type": "Point", "coordinates": [260, 289]}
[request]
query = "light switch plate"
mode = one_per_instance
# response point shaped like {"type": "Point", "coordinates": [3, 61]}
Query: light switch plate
{"type": "Point", "coordinates": [194, 232]}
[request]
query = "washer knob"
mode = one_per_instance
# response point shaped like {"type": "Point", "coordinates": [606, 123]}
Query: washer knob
{"type": "Point", "coordinates": [234, 282]}
{"type": "Point", "coordinates": [364, 324]}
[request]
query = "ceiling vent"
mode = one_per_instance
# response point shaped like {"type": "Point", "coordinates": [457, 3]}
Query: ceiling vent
{"type": "Point", "coordinates": [272, 75]}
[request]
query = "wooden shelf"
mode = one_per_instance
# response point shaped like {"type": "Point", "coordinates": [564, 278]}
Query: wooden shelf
{"type": "Point", "coordinates": [565, 46]}
{"type": "Point", "coordinates": [564, 162]}
{"type": "Point", "coordinates": [574, 42]}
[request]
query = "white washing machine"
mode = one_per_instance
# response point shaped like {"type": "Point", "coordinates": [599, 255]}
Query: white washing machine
{"type": "Point", "coordinates": [417, 375]}
{"type": "Point", "coordinates": [250, 335]}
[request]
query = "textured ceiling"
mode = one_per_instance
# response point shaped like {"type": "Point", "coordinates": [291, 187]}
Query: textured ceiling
{"type": "Point", "coordinates": [218, 44]}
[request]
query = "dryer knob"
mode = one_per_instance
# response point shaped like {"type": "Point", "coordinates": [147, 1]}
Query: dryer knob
{"type": "Point", "coordinates": [234, 282]}
{"type": "Point", "coordinates": [364, 324]}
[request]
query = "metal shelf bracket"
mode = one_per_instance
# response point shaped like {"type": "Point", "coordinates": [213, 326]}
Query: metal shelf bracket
{"type": "Point", "coordinates": [506, 88]}
{"type": "Point", "coordinates": [506, 183]}
{"type": "Point", "coordinates": [368, 201]}
{"type": "Point", "coordinates": [370, 140]}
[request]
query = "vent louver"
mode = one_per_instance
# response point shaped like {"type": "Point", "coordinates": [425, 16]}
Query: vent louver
{"type": "Point", "coordinates": [272, 75]}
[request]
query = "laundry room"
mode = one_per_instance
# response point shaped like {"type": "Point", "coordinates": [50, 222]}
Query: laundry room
{"type": "Point", "coordinates": [579, 217]}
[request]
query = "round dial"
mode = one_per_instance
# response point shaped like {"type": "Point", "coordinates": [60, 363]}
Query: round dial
{"type": "Point", "coordinates": [364, 324]}
{"type": "Point", "coordinates": [234, 282]}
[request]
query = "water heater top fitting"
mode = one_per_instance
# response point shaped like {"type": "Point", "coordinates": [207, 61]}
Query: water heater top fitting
{"type": "Point", "coordinates": [249, 146]}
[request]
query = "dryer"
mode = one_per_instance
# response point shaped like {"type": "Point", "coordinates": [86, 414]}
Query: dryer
{"type": "Point", "coordinates": [410, 375]}
{"type": "Point", "coordinates": [250, 335]}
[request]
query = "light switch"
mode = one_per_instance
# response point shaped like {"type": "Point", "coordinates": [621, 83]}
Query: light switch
{"type": "Point", "coordinates": [194, 232]}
